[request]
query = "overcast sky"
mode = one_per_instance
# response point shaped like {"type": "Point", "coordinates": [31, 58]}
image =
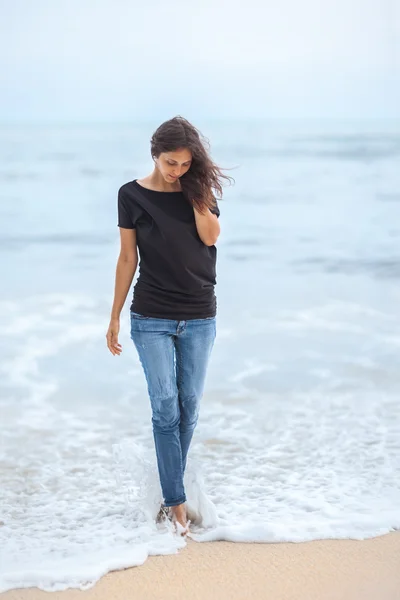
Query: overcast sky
{"type": "Point", "coordinates": [122, 59]}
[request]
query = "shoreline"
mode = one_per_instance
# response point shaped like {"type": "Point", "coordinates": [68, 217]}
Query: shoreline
{"type": "Point", "coordinates": [317, 570]}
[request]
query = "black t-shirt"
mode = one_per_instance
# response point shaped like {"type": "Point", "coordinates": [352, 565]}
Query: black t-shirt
{"type": "Point", "coordinates": [177, 271]}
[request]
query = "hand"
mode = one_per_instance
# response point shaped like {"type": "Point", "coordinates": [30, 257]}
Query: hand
{"type": "Point", "coordinates": [112, 337]}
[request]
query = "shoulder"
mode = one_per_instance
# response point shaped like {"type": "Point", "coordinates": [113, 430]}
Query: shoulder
{"type": "Point", "coordinates": [127, 192]}
{"type": "Point", "coordinates": [127, 189]}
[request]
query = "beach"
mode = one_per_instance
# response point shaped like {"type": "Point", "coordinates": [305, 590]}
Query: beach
{"type": "Point", "coordinates": [296, 451]}
{"type": "Point", "coordinates": [292, 477]}
{"type": "Point", "coordinates": [317, 570]}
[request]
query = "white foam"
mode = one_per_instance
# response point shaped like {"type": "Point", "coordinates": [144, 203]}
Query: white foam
{"type": "Point", "coordinates": [267, 464]}
{"type": "Point", "coordinates": [253, 367]}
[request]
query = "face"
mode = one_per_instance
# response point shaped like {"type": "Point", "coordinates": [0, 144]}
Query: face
{"type": "Point", "coordinates": [173, 165]}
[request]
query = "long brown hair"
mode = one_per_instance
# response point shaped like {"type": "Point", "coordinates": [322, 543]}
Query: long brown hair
{"type": "Point", "coordinates": [204, 178]}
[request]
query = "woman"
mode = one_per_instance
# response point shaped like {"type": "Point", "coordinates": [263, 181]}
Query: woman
{"type": "Point", "coordinates": [171, 216]}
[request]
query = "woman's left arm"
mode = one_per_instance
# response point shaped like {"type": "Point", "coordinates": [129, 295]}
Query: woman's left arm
{"type": "Point", "coordinates": [207, 226]}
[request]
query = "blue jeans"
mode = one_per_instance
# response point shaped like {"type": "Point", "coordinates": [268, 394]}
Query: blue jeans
{"type": "Point", "coordinates": [174, 356]}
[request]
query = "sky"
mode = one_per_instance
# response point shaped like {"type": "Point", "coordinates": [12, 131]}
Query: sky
{"type": "Point", "coordinates": [120, 60]}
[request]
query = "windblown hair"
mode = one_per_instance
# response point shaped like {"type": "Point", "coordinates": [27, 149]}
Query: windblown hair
{"type": "Point", "coordinates": [204, 178]}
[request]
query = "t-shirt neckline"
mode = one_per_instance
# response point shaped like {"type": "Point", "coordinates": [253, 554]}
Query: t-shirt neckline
{"type": "Point", "coordinates": [135, 181]}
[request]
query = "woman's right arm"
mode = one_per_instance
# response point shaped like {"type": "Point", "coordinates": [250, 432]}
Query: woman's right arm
{"type": "Point", "coordinates": [125, 272]}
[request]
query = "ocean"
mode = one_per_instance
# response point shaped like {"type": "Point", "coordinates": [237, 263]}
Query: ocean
{"type": "Point", "coordinates": [299, 430]}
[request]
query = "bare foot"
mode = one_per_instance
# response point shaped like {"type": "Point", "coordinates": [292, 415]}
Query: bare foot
{"type": "Point", "coordinates": [178, 515]}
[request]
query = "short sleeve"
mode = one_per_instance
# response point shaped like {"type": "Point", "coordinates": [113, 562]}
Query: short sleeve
{"type": "Point", "coordinates": [125, 216]}
{"type": "Point", "coordinates": [215, 210]}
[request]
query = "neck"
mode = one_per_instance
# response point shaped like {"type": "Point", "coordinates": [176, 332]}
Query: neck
{"type": "Point", "coordinates": [157, 182]}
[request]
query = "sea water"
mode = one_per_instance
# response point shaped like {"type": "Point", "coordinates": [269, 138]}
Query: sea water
{"type": "Point", "coordinates": [299, 430]}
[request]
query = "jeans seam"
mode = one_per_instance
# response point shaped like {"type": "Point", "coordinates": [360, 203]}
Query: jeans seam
{"type": "Point", "coordinates": [178, 362]}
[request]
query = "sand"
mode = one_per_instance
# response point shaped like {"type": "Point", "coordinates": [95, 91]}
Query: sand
{"type": "Point", "coordinates": [318, 570]}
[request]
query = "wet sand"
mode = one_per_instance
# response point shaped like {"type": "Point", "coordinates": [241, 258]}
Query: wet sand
{"type": "Point", "coordinates": [318, 570]}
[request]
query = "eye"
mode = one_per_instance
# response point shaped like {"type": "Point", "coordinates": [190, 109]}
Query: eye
{"type": "Point", "coordinates": [170, 162]}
